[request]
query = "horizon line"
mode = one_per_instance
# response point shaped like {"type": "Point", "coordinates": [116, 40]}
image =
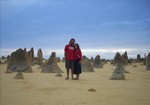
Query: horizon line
{"type": "Point", "coordinates": [107, 53]}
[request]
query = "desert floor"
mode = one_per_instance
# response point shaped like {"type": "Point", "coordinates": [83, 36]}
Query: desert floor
{"type": "Point", "coordinates": [46, 89]}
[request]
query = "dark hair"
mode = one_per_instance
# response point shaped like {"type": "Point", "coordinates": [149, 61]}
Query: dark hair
{"type": "Point", "coordinates": [77, 45]}
{"type": "Point", "coordinates": [71, 40]}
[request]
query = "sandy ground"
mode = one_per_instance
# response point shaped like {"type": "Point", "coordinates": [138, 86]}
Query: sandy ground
{"type": "Point", "coordinates": [46, 89]}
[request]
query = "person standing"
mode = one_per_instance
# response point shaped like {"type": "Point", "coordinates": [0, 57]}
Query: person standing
{"type": "Point", "coordinates": [69, 57]}
{"type": "Point", "coordinates": [77, 62]}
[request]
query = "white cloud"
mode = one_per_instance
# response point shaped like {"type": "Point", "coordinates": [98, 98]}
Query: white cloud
{"type": "Point", "coordinates": [5, 52]}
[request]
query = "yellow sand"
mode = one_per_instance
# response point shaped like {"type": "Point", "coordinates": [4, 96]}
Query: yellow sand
{"type": "Point", "coordinates": [46, 89]}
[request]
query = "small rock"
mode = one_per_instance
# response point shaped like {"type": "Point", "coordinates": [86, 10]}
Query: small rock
{"type": "Point", "coordinates": [58, 75]}
{"type": "Point", "coordinates": [92, 90]}
{"type": "Point", "coordinates": [19, 75]}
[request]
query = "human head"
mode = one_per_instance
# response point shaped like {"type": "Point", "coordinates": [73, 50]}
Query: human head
{"type": "Point", "coordinates": [76, 46]}
{"type": "Point", "coordinates": [72, 41]}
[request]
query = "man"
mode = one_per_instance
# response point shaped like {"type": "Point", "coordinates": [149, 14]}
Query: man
{"type": "Point", "coordinates": [69, 57]}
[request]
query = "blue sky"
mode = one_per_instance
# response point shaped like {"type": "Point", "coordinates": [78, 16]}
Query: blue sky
{"type": "Point", "coordinates": [101, 27]}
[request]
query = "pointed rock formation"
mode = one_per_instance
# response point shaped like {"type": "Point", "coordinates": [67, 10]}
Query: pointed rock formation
{"type": "Point", "coordinates": [51, 66]}
{"type": "Point", "coordinates": [92, 60]}
{"type": "Point", "coordinates": [86, 65]}
{"type": "Point", "coordinates": [19, 61]}
{"type": "Point", "coordinates": [39, 57]}
{"type": "Point", "coordinates": [125, 59]}
{"type": "Point", "coordinates": [138, 58]}
{"type": "Point", "coordinates": [32, 56]}
{"type": "Point", "coordinates": [148, 62]}
{"type": "Point", "coordinates": [58, 59]}
{"type": "Point", "coordinates": [19, 75]}
{"type": "Point", "coordinates": [117, 58]}
{"type": "Point", "coordinates": [97, 62]}
{"type": "Point", "coordinates": [118, 73]}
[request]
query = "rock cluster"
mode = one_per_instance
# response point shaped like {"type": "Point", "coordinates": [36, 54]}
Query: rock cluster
{"type": "Point", "coordinates": [19, 61]}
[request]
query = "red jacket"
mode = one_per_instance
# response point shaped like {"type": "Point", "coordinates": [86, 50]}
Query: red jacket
{"type": "Point", "coordinates": [78, 54]}
{"type": "Point", "coordinates": [69, 52]}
